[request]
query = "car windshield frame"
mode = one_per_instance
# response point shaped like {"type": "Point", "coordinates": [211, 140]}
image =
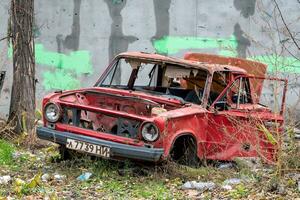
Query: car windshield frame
{"type": "Point", "coordinates": [182, 73]}
{"type": "Point", "coordinates": [136, 67]}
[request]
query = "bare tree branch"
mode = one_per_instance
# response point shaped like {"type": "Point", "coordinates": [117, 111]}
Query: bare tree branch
{"type": "Point", "coordinates": [5, 38]}
{"type": "Point", "coordinates": [281, 41]}
{"type": "Point", "coordinates": [286, 26]}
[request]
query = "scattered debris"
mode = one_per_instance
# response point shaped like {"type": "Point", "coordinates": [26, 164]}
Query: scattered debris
{"type": "Point", "coordinates": [198, 185]}
{"type": "Point", "coordinates": [294, 176]}
{"type": "Point", "coordinates": [229, 165]}
{"type": "Point", "coordinates": [227, 187]}
{"type": "Point", "coordinates": [5, 180]}
{"type": "Point", "coordinates": [45, 177]}
{"type": "Point", "coordinates": [281, 189]}
{"type": "Point", "coordinates": [84, 177]}
{"type": "Point", "coordinates": [232, 181]}
{"type": "Point", "coordinates": [59, 177]}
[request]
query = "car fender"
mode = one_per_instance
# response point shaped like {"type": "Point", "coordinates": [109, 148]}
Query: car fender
{"type": "Point", "coordinates": [174, 137]}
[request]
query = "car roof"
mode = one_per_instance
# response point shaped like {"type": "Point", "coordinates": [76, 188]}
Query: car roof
{"type": "Point", "coordinates": [209, 67]}
{"type": "Point", "coordinates": [251, 66]}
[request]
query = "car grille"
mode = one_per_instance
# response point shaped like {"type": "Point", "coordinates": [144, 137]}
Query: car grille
{"type": "Point", "coordinates": [101, 122]}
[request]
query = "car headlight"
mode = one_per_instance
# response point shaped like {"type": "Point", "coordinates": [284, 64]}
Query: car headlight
{"type": "Point", "coordinates": [52, 112]}
{"type": "Point", "coordinates": [150, 132]}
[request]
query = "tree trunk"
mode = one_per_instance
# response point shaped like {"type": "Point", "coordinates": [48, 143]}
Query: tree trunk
{"type": "Point", "coordinates": [22, 105]}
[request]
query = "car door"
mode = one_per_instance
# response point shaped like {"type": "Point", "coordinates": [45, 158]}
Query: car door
{"type": "Point", "coordinates": [234, 120]}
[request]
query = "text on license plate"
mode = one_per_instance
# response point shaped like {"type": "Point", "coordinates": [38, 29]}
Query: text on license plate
{"type": "Point", "coordinates": [88, 147]}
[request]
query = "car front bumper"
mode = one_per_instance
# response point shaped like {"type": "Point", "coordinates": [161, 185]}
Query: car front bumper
{"type": "Point", "coordinates": [117, 150]}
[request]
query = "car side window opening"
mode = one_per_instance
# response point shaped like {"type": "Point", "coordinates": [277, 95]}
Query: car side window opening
{"type": "Point", "coordinates": [197, 84]}
{"type": "Point", "coordinates": [242, 95]}
{"type": "Point", "coordinates": [237, 94]}
{"type": "Point", "coordinates": [189, 84]}
{"type": "Point", "coordinates": [219, 83]}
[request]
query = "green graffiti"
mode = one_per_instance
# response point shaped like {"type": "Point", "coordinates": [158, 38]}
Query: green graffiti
{"type": "Point", "coordinates": [60, 79]}
{"type": "Point", "coordinates": [279, 63]}
{"type": "Point", "coordinates": [67, 68]}
{"type": "Point", "coordinates": [226, 47]}
{"type": "Point", "coordinates": [77, 61]}
{"type": "Point", "coordinates": [173, 44]}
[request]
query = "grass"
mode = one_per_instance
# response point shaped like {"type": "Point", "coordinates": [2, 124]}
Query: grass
{"type": "Point", "coordinates": [239, 192]}
{"type": "Point", "coordinates": [118, 180]}
{"type": "Point", "coordinates": [6, 151]}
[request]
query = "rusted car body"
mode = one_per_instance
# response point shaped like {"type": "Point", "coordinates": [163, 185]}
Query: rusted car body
{"type": "Point", "coordinates": [140, 109]}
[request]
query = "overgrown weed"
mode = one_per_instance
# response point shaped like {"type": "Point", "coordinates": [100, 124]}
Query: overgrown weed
{"type": "Point", "coordinates": [290, 152]}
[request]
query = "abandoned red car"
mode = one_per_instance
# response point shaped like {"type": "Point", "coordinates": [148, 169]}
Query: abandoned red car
{"type": "Point", "coordinates": [151, 107]}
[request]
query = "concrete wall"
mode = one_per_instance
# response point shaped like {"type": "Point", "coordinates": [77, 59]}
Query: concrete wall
{"type": "Point", "coordinates": [75, 39]}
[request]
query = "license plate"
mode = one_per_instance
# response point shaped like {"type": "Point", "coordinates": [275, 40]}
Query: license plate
{"type": "Point", "coordinates": [88, 147]}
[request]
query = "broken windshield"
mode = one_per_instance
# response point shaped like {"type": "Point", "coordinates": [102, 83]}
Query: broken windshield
{"type": "Point", "coordinates": [127, 73]}
{"type": "Point", "coordinates": [164, 79]}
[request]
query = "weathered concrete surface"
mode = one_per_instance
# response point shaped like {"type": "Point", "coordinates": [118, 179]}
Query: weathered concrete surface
{"type": "Point", "coordinates": [75, 39]}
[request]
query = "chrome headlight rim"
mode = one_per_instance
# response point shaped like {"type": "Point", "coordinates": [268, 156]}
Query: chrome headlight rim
{"type": "Point", "coordinates": [59, 112]}
{"type": "Point", "coordinates": [144, 134]}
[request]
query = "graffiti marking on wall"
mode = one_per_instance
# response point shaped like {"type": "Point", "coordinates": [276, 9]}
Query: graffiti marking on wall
{"type": "Point", "coordinates": [174, 44]}
{"type": "Point", "coordinates": [279, 63]}
{"type": "Point", "coordinates": [64, 71]}
{"type": "Point", "coordinates": [226, 47]}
